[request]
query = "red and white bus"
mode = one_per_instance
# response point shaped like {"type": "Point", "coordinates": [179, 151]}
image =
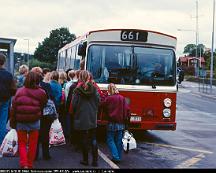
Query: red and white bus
{"type": "Point", "coordinates": [141, 63]}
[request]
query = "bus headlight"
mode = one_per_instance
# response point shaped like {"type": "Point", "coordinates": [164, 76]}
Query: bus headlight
{"type": "Point", "coordinates": [167, 102]}
{"type": "Point", "coordinates": [166, 113]}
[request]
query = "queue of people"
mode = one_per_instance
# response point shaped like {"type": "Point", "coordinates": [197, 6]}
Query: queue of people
{"type": "Point", "coordinates": [77, 99]}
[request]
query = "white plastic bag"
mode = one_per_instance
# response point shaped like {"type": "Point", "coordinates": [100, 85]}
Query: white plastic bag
{"type": "Point", "coordinates": [8, 127]}
{"type": "Point", "coordinates": [129, 141]}
{"type": "Point", "coordinates": [9, 147]}
{"type": "Point", "coordinates": [56, 134]}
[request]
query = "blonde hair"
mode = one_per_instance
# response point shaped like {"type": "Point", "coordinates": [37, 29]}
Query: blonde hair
{"type": "Point", "coordinates": [112, 89]}
{"type": "Point", "coordinates": [47, 77]}
{"type": "Point", "coordinates": [54, 75]}
{"type": "Point", "coordinates": [23, 69]}
{"type": "Point", "coordinates": [37, 70]}
{"type": "Point", "coordinates": [71, 74]}
{"type": "Point", "coordinates": [62, 77]}
{"type": "Point", "coordinates": [84, 76]}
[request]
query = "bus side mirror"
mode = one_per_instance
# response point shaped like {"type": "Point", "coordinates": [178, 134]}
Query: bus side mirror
{"type": "Point", "coordinates": [82, 49]}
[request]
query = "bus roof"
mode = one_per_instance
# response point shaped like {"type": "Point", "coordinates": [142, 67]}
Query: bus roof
{"type": "Point", "coordinates": [102, 30]}
{"type": "Point", "coordinates": [113, 35]}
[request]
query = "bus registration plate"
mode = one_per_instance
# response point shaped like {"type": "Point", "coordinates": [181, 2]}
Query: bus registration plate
{"type": "Point", "coordinates": [135, 118]}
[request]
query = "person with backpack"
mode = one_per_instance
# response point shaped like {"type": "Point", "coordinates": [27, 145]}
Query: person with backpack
{"type": "Point", "coordinates": [118, 113]}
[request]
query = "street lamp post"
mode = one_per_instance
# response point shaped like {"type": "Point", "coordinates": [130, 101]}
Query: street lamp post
{"type": "Point", "coordinates": [28, 50]}
{"type": "Point", "coordinates": [212, 51]}
{"type": "Point", "coordinates": [197, 36]}
{"type": "Point", "coordinates": [197, 40]}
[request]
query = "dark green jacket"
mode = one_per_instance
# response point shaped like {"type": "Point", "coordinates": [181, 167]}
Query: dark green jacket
{"type": "Point", "coordinates": [85, 106]}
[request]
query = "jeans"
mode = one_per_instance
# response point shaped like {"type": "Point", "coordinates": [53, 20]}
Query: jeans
{"type": "Point", "coordinates": [114, 142]}
{"type": "Point", "coordinates": [3, 119]}
{"type": "Point", "coordinates": [27, 157]}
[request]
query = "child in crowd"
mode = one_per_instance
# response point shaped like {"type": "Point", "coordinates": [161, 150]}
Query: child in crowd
{"type": "Point", "coordinates": [118, 113]}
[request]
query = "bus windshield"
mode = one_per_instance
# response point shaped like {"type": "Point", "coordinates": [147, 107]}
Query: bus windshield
{"type": "Point", "coordinates": [131, 65]}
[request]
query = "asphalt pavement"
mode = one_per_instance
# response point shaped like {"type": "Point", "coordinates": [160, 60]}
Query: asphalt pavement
{"type": "Point", "coordinates": [200, 89]}
{"type": "Point", "coordinates": [192, 145]}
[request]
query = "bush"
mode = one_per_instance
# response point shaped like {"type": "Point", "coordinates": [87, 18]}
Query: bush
{"type": "Point", "coordinates": [35, 63]}
{"type": "Point", "coordinates": [188, 70]}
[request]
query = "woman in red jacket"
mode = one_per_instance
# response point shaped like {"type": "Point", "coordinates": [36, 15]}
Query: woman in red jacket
{"type": "Point", "coordinates": [26, 111]}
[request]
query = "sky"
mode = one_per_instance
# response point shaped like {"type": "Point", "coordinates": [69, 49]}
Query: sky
{"type": "Point", "coordinates": [34, 19]}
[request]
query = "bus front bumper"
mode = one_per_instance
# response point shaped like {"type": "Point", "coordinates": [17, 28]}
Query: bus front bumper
{"type": "Point", "coordinates": [153, 126]}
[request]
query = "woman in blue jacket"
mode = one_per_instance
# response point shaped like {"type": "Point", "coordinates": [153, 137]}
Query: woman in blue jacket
{"type": "Point", "coordinates": [56, 89]}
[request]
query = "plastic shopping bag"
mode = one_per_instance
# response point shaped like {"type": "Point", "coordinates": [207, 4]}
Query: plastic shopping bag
{"type": "Point", "coordinates": [129, 141]}
{"type": "Point", "coordinates": [56, 134]}
{"type": "Point", "coordinates": [9, 147]}
{"type": "Point", "coordinates": [8, 127]}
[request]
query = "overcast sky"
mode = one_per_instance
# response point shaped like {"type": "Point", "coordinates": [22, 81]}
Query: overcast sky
{"type": "Point", "coordinates": [34, 19]}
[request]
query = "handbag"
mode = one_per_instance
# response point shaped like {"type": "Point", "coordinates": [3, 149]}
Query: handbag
{"type": "Point", "coordinates": [9, 146]}
{"type": "Point", "coordinates": [50, 109]}
{"type": "Point", "coordinates": [128, 141]}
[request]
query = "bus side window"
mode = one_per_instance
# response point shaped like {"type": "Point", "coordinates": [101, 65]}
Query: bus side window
{"type": "Point", "coordinates": [73, 53]}
{"type": "Point", "coordinates": [77, 58]}
{"type": "Point", "coordinates": [68, 58]}
{"type": "Point", "coordinates": [61, 61]}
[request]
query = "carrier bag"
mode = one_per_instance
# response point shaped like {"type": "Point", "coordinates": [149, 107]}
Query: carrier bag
{"type": "Point", "coordinates": [8, 127]}
{"type": "Point", "coordinates": [128, 141]}
{"type": "Point", "coordinates": [9, 147]}
{"type": "Point", "coordinates": [56, 134]}
{"type": "Point", "coordinates": [50, 110]}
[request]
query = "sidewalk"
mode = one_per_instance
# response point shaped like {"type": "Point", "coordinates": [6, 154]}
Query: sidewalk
{"type": "Point", "coordinates": [200, 89]}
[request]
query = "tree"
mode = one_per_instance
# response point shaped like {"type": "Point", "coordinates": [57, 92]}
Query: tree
{"type": "Point", "coordinates": [47, 51]}
{"type": "Point", "coordinates": [207, 56]}
{"type": "Point", "coordinates": [36, 63]}
{"type": "Point", "coordinates": [190, 49]}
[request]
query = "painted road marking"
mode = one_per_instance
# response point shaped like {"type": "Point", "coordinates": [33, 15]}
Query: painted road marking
{"type": "Point", "coordinates": [106, 159]}
{"type": "Point", "coordinates": [190, 162]}
{"type": "Point", "coordinates": [186, 164]}
{"type": "Point", "coordinates": [180, 148]}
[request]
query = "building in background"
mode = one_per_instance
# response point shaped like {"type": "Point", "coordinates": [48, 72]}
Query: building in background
{"type": "Point", "coordinates": [7, 45]}
{"type": "Point", "coordinates": [187, 61]}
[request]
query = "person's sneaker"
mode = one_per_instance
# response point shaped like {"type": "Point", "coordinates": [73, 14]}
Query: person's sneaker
{"type": "Point", "coordinates": [94, 164]}
{"type": "Point", "coordinates": [84, 162]}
